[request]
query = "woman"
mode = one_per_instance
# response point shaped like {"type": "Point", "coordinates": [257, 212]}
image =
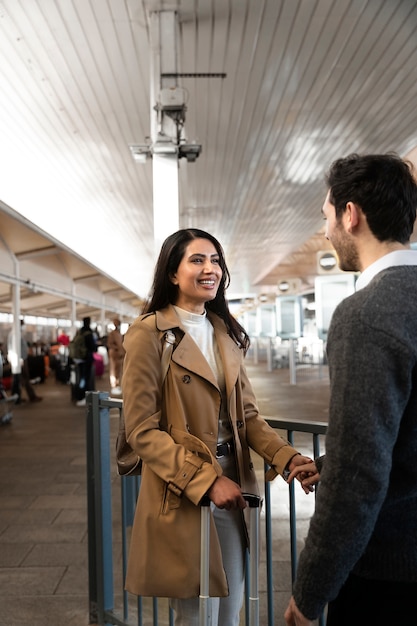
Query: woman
{"type": "Point", "coordinates": [193, 432]}
{"type": "Point", "coordinates": [116, 355]}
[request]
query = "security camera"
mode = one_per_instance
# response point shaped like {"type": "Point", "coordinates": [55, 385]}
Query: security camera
{"type": "Point", "coordinates": [190, 151]}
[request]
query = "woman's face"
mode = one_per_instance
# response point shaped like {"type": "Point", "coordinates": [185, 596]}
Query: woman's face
{"type": "Point", "coordinates": [198, 276]}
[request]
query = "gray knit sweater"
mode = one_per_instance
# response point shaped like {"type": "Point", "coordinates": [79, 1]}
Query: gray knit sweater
{"type": "Point", "coordinates": [365, 520]}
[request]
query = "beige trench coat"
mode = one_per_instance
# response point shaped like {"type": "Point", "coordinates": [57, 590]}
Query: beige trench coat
{"type": "Point", "coordinates": [176, 437]}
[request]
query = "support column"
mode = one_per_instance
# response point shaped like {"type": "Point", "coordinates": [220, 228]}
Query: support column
{"type": "Point", "coordinates": [15, 354]}
{"type": "Point", "coordinates": [165, 197]}
{"type": "Point", "coordinates": [73, 312]}
{"type": "Point", "coordinates": [163, 29]}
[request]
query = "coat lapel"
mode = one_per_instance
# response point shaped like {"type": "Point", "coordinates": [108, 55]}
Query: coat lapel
{"type": "Point", "coordinates": [188, 355]}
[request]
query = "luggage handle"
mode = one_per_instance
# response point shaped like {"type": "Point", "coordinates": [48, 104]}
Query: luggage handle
{"type": "Point", "coordinates": [252, 499]}
{"type": "Point", "coordinates": [204, 604]}
{"type": "Point", "coordinates": [254, 502]}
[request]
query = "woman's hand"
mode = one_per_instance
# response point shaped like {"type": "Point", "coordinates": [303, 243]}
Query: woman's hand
{"type": "Point", "coordinates": [306, 472]}
{"type": "Point", "coordinates": [302, 467]}
{"type": "Point", "coordinates": [226, 494]}
{"type": "Point", "coordinates": [294, 617]}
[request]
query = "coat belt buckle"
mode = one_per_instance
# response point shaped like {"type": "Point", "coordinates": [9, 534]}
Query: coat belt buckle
{"type": "Point", "coordinates": [223, 449]}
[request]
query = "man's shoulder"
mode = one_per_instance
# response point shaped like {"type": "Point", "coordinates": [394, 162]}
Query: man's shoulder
{"type": "Point", "coordinates": [388, 303]}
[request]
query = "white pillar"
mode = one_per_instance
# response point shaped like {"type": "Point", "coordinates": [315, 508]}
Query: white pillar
{"type": "Point", "coordinates": [165, 197]}
{"type": "Point", "coordinates": [73, 312]}
{"type": "Point", "coordinates": [15, 353]}
{"type": "Point", "coordinates": [163, 32]}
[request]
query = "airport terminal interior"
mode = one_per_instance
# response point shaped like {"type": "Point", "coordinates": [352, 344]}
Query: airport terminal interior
{"type": "Point", "coordinates": [122, 121]}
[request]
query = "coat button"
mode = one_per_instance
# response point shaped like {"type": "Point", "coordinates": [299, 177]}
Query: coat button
{"type": "Point", "coordinates": [186, 379]}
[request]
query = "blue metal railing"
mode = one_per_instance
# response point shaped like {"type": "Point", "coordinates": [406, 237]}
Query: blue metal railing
{"type": "Point", "coordinates": [108, 527]}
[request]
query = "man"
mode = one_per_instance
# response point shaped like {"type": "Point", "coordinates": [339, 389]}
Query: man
{"type": "Point", "coordinates": [360, 554]}
{"type": "Point", "coordinates": [87, 373]}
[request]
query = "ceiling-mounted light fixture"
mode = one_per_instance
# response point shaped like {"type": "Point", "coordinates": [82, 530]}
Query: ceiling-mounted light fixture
{"type": "Point", "coordinates": [284, 285]}
{"type": "Point", "coordinates": [140, 152]}
{"type": "Point", "coordinates": [327, 261]}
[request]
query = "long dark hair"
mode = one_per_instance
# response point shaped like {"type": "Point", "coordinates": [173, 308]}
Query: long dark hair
{"type": "Point", "coordinates": [164, 292]}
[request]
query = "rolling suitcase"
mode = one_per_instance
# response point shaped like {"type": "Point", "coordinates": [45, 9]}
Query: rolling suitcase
{"type": "Point", "coordinates": [254, 503]}
{"type": "Point", "coordinates": [98, 364]}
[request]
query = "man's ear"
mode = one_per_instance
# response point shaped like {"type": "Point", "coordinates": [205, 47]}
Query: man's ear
{"type": "Point", "coordinates": [351, 216]}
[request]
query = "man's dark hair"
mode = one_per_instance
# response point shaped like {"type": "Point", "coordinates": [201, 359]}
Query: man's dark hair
{"type": "Point", "coordinates": [164, 292]}
{"type": "Point", "coordinates": [383, 186]}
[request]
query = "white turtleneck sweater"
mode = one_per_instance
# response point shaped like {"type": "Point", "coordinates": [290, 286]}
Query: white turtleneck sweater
{"type": "Point", "coordinates": [202, 332]}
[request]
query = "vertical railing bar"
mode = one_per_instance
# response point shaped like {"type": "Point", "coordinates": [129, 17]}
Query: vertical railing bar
{"type": "Point", "coordinates": [98, 420]}
{"type": "Point", "coordinates": [92, 522]}
{"type": "Point", "coordinates": [293, 530]}
{"type": "Point", "coordinates": [316, 453]}
{"type": "Point", "coordinates": [124, 546]}
{"type": "Point", "coordinates": [140, 611]}
{"type": "Point", "coordinates": [247, 583]}
{"type": "Point", "coordinates": [316, 445]}
{"type": "Point", "coordinates": [155, 611]}
{"type": "Point", "coordinates": [93, 409]}
{"type": "Point", "coordinates": [268, 550]}
{"type": "Point", "coordinates": [103, 416]}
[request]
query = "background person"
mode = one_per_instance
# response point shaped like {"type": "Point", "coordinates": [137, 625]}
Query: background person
{"type": "Point", "coordinates": [63, 338]}
{"type": "Point", "coordinates": [116, 355]}
{"type": "Point", "coordinates": [193, 435]}
{"type": "Point", "coordinates": [86, 366]}
{"type": "Point", "coordinates": [20, 367]}
{"type": "Point", "coordinates": [360, 554]}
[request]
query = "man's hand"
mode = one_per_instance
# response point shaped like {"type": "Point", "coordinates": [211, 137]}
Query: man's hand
{"type": "Point", "coordinates": [226, 494]}
{"type": "Point", "coordinates": [294, 617]}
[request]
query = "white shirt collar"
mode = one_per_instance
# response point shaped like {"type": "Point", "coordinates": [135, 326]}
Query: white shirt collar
{"type": "Point", "coordinates": [398, 257]}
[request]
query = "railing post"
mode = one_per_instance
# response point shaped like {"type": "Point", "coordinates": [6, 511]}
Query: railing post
{"type": "Point", "coordinates": [130, 486]}
{"type": "Point", "coordinates": [99, 508]}
{"type": "Point", "coordinates": [92, 523]}
{"type": "Point", "coordinates": [268, 549]}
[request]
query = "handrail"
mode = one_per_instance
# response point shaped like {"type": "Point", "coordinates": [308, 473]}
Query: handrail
{"type": "Point", "coordinates": [101, 474]}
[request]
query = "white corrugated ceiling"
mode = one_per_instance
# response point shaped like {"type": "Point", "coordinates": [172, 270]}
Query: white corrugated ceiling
{"type": "Point", "coordinates": [306, 81]}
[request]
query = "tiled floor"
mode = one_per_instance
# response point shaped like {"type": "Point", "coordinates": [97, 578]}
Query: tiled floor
{"type": "Point", "coordinates": [43, 507]}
